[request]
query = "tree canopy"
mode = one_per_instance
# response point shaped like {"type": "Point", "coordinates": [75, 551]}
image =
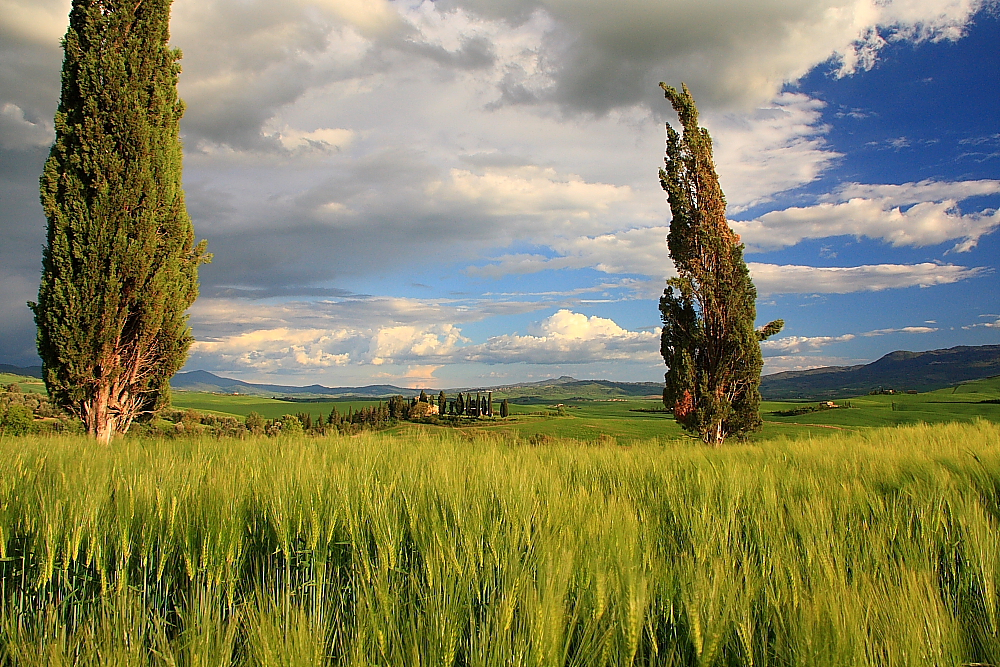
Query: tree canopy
{"type": "Point", "coordinates": [120, 264]}
{"type": "Point", "coordinates": [708, 342]}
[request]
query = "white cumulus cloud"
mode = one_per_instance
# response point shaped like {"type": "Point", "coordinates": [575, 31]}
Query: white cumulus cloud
{"type": "Point", "coordinates": [323, 139]}
{"type": "Point", "coordinates": [19, 133]}
{"type": "Point", "coordinates": [774, 148]}
{"type": "Point", "coordinates": [791, 345]}
{"type": "Point", "coordinates": [912, 214]}
{"type": "Point", "coordinates": [907, 330]}
{"type": "Point", "coordinates": [269, 350]}
{"type": "Point", "coordinates": [796, 279]}
{"type": "Point", "coordinates": [528, 191]}
{"type": "Point", "coordinates": [569, 338]}
{"type": "Point", "coordinates": [407, 343]}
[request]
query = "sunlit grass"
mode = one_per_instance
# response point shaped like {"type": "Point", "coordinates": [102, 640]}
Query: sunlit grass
{"type": "Point", "coordinates": [876, 548]}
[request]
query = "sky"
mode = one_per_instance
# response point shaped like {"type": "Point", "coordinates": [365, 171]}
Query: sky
{"type": "Point", "coordinates": [465, 192]}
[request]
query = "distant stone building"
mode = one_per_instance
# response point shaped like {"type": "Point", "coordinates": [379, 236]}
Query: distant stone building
{"type": "Point", "coordinates": [421, 409]}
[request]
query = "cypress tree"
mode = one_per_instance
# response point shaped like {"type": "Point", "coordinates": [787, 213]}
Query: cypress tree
{"type": "Point", "coordinates": [120, 265]}
{"type": "Point", "coordinates": [708, 343]}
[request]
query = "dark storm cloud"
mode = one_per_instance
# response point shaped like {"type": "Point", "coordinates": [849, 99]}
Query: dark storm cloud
{"type": "Point", "coordinates": [475, 53]}
{"type": "Point", "coordinates": [308, 238]}
{"type": "Point", "coordinates": [22, 228]}
{"type": "Point", "coordinates": [29, 69]}
{"type": "Point", "coordinates": [605, 55]}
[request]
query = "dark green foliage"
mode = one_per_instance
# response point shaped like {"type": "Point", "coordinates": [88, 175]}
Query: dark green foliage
{"type": "Point", "coordinates": [371, 417]}
{"type": "Point", "coordinates": [709, 343]}
{"type": "Point", "coordinates": [504, 408]}
{"type": "Point", "coordinates": [442, 402]}
{"type": "Point", "coordinates": [398, 407]}
{"type": "Point", "coordinates": [290, 425]}
{"type": "Point", "coordinates": [120, 263]}
{"type": "Point", "coordinates": [255, 423]}
{"type": "Point", "coordinates": [28, 412]}
{"type": "Point", "coordinates": [305, 419]}
{"type": "Point", "coordinates": [423, 396]}
{"type": "Point", "coordinates": [16, 420]}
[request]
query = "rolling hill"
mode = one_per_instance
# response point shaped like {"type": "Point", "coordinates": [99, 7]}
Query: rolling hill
{"type": "Point", "coordinates": [23, 371]}
{"type": "Point", "coordinates": [900, 370]}
{"type": "Point", "coordinates": [554, 389]}
{"type": "Point", "coordinates": [205, 381]}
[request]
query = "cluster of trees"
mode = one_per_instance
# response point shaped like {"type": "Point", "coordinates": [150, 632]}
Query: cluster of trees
{"type": "Point", "coordinates": [22, 413]}
{"type": "Point", "coordinates": [192, 422]}
{"type": "Point", "coordinates": [480, 405]}
{"type": "Point", "coordinates": [373, 417]}
{"type": "Point", "coordinates": [467, 406]}
{"type": "Point", "coordinates": [174, 422]}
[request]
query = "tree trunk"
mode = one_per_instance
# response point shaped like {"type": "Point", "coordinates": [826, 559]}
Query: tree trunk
{"type": "Point", "coordinates": [110, 412]}
{"type": "Point", "coordinates": [714, 436]}
{"type": "Point", "coordinates": [97, 415]}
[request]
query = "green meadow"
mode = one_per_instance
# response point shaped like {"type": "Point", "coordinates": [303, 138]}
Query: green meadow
{"type": "Point", "coordinates": [575, 532]}
{"type": "Point", "coordinates": [637, 419]}
{"type": "Point", "coordinates": [870, 547]}
{"type": "Point", "coordinates": [33, 385]}
{"type": "Point", "coordinates": [271, 408]}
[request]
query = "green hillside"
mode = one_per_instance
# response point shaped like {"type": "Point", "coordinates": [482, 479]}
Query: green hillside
{"type": "Point", "coordinates": [570, 388]}
{"type": "Point", "coordinates": [24, 382]}
{"type": "Point", "coordinates": [271, 408]}
{"type": "Point", "coordinates": [900, 370]}
{"type": "Point", "coordinates": [631, 419]}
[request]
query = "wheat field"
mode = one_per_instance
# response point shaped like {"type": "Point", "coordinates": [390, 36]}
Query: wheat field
{"type": "Point", "coordinates": [878, 548]}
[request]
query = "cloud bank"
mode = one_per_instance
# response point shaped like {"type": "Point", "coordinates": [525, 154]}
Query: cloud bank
{"type": "Point", "coordinates": [340, 148]}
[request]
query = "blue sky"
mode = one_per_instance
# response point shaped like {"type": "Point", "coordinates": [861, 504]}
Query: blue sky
{"type": "Point", "coordinates": [464, 192]}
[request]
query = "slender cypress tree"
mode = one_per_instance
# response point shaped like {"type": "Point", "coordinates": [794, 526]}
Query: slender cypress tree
{"type": "Point", "coordinates": [709, 343]}
{"type": "Point", "coordinates": [120, 265]}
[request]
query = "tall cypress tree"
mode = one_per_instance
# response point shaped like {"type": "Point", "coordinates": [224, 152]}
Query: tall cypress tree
{"type": "Point", "coordinates": [120, 265]}
{"type": "Point", "coordinates": [709, 343]}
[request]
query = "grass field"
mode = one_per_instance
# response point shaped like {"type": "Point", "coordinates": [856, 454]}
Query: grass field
{"type": "Point", "coordinates": [619, 419]}
{"type": "Point", "coordinates": [25, 383]}
{"type": "Point", "coordinates": [272, 408]}
{"type": "Point", "coordinates": [871, 548]}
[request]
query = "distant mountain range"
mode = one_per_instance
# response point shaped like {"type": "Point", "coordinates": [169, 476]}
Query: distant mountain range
{"type": "Point", "coordinates": [205, 381]}
{"type": "Point", "coordinates": [559, 388]}
{"type": "Point", "coordinates": [25, 371]}
{"type": "Point", "coordinates": [902, 371]}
